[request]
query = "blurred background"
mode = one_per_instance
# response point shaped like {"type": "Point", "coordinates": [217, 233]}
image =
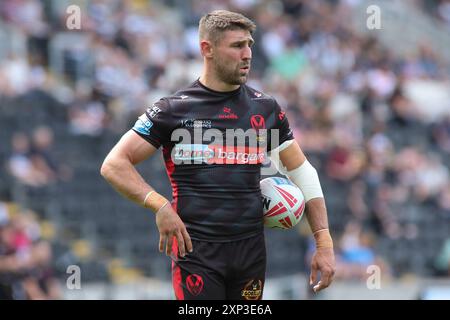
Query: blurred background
{"type": "Point", "coordinates": [371, 109]}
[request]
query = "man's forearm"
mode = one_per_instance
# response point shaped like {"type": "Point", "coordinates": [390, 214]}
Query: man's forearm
{"type": "Point", "coordinates": [124, 178]}
{"type": "Point", "coordinates": [316, 213]}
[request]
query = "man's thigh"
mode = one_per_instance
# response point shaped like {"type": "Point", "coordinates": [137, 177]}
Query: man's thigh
{"type": "Point", "coordinates": [248, 269]}
{"type": "Point", "coordinates": [200, 275]}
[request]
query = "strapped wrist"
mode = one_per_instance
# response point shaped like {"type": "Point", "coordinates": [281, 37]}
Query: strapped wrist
{"type": "Point", "coordinates": [166, 203]}
{"type": "Point", "coordinates": [323, 238]}
{"type": "Point", "coordinates": [154, 201]}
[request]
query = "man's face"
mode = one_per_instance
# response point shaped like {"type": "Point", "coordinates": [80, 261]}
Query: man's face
{"type": "Point", "coordinates": [232, 56]}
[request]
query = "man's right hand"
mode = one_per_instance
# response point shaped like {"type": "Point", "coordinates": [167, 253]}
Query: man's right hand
{"type": "Point", "coordinates": [170, 225]}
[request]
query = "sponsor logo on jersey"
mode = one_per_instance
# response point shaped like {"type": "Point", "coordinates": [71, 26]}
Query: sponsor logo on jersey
{"type": "Point", "coordinates": [193, 123]}
{"type": "Point", "coordinates": [290, 132]}
{"type": "Point", "coordinates": [153, 111]}
{"type": "Point", "coordinates": [227, 114]}
{"type": "Point", "coordinates": [143, 125]}
{"type": "Point", "coordinates": [217, 154]}
{"type": "Point", "coordinates": [259, 96]}
{"type": "Point", "coordinates": [252, 290]}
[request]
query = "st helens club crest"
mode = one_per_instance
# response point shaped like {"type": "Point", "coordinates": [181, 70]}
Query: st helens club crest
{"type": "Point", "coordinates": [194, 284]}
{"type": "Point", "coordinates": [257, 122]}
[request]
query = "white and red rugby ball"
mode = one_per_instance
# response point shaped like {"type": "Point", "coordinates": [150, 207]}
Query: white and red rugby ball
{"type": "Point", "coordinates": [283, 203]}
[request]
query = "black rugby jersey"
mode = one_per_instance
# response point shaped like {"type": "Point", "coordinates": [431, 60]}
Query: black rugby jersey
{"type": "Point", "coordinates": [214, 144]}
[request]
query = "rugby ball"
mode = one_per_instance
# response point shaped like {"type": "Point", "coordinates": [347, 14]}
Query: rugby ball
{"type": "Point", "coordinates": [283, 203]}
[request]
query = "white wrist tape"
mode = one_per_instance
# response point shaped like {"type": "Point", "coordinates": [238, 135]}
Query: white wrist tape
{"type": "Point", "coordinates": [283, 146]}
{"type": "Point", "coordinates": [307, 179]}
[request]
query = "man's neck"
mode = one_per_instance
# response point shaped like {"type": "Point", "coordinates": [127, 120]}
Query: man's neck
{"type": "Point", "coordinates": [215, 84]}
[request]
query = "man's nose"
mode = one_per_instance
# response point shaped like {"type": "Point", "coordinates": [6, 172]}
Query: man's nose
{"type": "Point", "coordinates": [247, 53]}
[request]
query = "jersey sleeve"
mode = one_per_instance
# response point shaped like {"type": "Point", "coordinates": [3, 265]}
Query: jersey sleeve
{"type": "Point", "coordinates": [282, 126]}
{"type": "Point", "coordinates": [155, 125]}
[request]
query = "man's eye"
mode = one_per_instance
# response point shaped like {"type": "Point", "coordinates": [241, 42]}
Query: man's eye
{"type": "Point", "coordinates": [241, 45]}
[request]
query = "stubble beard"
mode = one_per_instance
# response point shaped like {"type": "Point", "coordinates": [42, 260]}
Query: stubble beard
{"type": "Point", "coordinates": [229, 76]}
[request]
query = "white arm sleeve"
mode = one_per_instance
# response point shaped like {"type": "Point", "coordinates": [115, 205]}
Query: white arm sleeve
{"type": "Point", "coordinates": [275, 156]}
{"type": "Point", "coordinates": [305, 176]}
{"type": "Point", "coordinates": [307, 179]}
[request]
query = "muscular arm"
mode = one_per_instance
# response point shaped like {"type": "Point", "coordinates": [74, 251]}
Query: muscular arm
{"type": "Point", "coordinates": [323, 260]}
{"type": "Point", "coordinates": [119, 170]}
{"type": "Point", "coordinates": [293, 157]}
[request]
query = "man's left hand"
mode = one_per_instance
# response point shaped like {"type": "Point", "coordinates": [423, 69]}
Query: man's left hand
{"type": "Point", "coordinates": [323, 262]}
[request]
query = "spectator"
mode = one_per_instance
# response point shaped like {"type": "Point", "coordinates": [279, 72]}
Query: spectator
{"type": "Point", "coordinates": [22, 166]}
{"type": "Point", "coordinates": [25, 259]}
{"type": "Point", "coordinates": [357, 253]}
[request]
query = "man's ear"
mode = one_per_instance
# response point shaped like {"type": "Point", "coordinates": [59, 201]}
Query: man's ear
{"type": "Point", "coordinates": [206, 48]}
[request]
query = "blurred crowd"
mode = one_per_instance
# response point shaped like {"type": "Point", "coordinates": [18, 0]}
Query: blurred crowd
{"type": "Point", "coordinates": [439, 9]}
{"type": "Point", "coordinates": [32, 162]}
{"type": "Point", "coordinates": [348, 96]}
{"type": "Point", "coordinates": [26, 270]}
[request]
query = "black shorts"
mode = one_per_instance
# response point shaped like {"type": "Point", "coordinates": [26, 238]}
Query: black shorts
{"type": "Point", "coordinates": [221, 270]}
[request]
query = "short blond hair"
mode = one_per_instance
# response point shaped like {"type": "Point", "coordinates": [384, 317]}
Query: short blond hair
{"type": "Point", "coordinates": [213, 24]}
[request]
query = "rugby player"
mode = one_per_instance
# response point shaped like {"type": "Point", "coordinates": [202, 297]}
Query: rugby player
{"type": "Point", "coordinates": [213, 227]}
